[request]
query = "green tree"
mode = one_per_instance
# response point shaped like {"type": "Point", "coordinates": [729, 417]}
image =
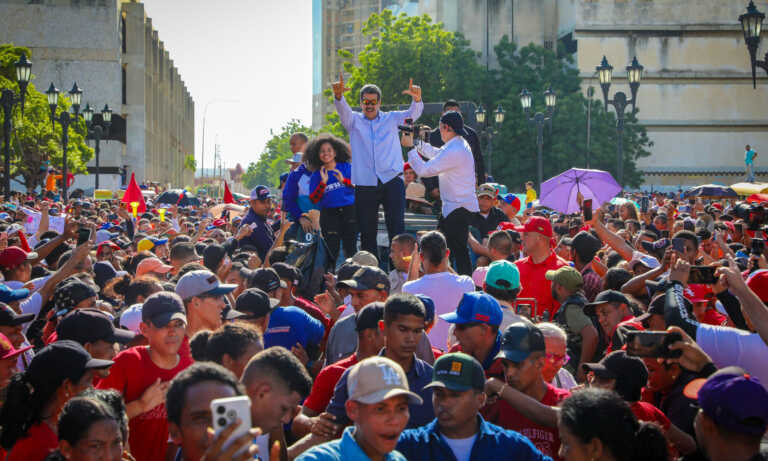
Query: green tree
{"type": "Point", "coordinates": [35, 143]}
{"type": "Point", "coordinates": [444, 65]}
{"type": "Point", "coordinates": [514, 148]}
{"type": "Point", "coordinates": [190, 163]}
{"type": "Point", "coordinates": [271, 163]}
{"type": "Point", "coordinates": [406, 47]}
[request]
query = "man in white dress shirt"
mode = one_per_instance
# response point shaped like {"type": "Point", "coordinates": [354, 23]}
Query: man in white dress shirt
{"type": "Point", "coordinates": [454, 166]}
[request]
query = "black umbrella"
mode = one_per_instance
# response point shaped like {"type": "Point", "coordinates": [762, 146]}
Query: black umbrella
{"type": "Point", "coordinates": [171, 197]}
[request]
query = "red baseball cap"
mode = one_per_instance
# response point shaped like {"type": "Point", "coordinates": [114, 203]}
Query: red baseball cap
{"type": "Point", "coordinates": [106, 243]}
{"type": "Point", "coordinates": [14, 256]}
{"type": "Point", "coordinates": [698, 293]}
{"type": "Point", "coordinates": [7, 350]}
{"type": "Point", "coordinates": [537, 224]}
{"type": "Point", "coordinates": [758, 283]}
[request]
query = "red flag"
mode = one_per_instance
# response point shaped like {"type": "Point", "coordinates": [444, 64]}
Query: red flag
{"type": "Point", "coordinates": [133, 194]}
{"type": "Point", "coordinates": [228, 194]}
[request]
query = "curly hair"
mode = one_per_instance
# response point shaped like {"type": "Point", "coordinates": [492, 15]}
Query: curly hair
{"type": "Point", "coordinates": [312, 152]}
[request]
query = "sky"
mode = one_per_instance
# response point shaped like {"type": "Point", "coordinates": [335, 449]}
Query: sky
{"type": "Point", "coordinates": [248, 61]}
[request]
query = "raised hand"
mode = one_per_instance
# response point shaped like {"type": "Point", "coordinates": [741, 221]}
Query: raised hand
{"type": "Point", "coordinates": [413, 91]}
{"type": "Point", "coordinates": [337, 174]}
{"type": "Point", "coordinates": [339, 88]}
{"type": "Point", "coordinates": [324, 175]}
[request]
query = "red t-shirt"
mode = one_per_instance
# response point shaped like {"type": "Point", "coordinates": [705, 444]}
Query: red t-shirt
{"type": "Point", "coordinates": [546, 439]}
{"type": "Point", "coordinates": [713, 317]}
{"type": "Point", "coordinates": [312, 309]}
{"type": "Point", "coordinates": [325, 382]}
{"type": "Point", "coordinates": [38, 443]}
{"type": "Point", "coordinates": [132, 373]}
{"type": "Point", "coordinates": [647, 412]}
{"type": "Point", "coordinates": [535, 285]}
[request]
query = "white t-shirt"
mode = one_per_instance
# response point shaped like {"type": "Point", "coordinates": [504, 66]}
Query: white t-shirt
{"type": "Point", "coordinates": [263, 442]}
{"type": "Point", "coordinates": [461, 448]}
{"type": "Point", "coordinates": [446, 290]}
{"type": "Point", "coordinates": [564, 380]}
{"type": "Point", "coordinates": [732, 347]}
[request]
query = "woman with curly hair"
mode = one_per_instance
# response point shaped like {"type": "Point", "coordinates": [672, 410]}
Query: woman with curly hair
{"type": "Point", "coordinates": [332, 190]}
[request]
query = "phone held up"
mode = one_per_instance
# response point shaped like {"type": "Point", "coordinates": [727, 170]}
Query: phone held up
{"type": "Point", "coordinates": [652, 344]}
{"type": "Point", "coordinates": [228, 410]}
{"type": "Point", "coordinates": [587, 210]}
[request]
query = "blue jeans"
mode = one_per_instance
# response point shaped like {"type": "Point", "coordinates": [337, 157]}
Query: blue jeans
{"type": "Point", "coordinates": [367, 200]}
{"type": "Point", "coordinates": [750, 172]}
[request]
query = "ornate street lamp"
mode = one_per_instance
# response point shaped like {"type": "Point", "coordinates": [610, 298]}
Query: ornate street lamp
{"type": "Point", "coordinates": [8, 101]}
{"type": "Point", "coordinates": [96, 130]}
{"type": "Point", "coordinates": [620, 102]}
{"type": "Point", "coordinates": [752, 26]}
{"type": "Point", "coordinates": [65, 119]}
{"type": "Point", "coordinates": [489, 130]}
{"type": "Point", "coordinates": [539, 119]}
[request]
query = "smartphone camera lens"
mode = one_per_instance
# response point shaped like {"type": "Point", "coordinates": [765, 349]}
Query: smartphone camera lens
{"type": "Point", "coordinates": [221, 410]}
{"type": "Point", "coordinates": [221, 422]}
{"type": "Point", "coordinates": [232, 414]}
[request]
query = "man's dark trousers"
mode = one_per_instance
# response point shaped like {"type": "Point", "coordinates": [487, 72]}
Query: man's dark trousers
{"type": "Point", "coordinates": [455, 227]}
{"type": "Point", "coordinates": [367, 200]}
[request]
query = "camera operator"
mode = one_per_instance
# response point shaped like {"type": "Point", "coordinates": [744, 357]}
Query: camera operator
{"type": "Point", "coordinates": [471, 138]}
{"type": "Point", "coordinates": [452, 164]}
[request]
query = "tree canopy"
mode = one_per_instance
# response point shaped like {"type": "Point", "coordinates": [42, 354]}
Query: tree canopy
{"type": "Point", "coordinates": [271, 163]}
{"type": "Point", "coordinates": [35, 143]}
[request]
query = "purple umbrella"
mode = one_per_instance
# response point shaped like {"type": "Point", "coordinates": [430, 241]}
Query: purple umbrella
{"type": "Point", "coordinates": [559, 193]}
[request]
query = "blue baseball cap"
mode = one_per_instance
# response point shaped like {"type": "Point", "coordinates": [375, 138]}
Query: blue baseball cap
{"type": "Point", "coordinates": [8, 296]}
{"type": "Point", "coordinates": [520, 340]}
{"type": "Point", "coordinates": [429, 308]}
{"type": "Point", "coordinates": [476, 307]}
{"type": "Point", "coordinates": [261, 193]}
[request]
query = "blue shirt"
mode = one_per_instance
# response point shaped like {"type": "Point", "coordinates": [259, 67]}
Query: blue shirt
{"type": "Point", "coordinates": [337, 194]}
{"type": "Point", "coordinates": [418, 376]}
{"type": "Point", "coordinates": [376, 152]}
{"type": "Point", "coordinates": [492, 442]}
{"type": "Point", "coordinates": [262, 236]}
{"type": "Point", "coordinates": [749, 157]}
{"type": "Point", "coordinates": [291, 192]}
{"type": "Point", "coordinates": [345, 448]}
{"type": "Point", "coordinates": [290, 325]}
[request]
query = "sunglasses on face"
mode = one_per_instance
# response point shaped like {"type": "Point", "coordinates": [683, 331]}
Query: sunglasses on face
{"type": "Point", "coordinates": [368, 102]}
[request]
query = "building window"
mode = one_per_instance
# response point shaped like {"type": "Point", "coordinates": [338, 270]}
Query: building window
{"type": "Point", "coordinates": [122, 33]}
{"type": "Point", "coordinates": [548, 44]}
{"type": "Point", "coordinates": [348, 28]}
{"type": "Point", "coordinates": [124, 87]}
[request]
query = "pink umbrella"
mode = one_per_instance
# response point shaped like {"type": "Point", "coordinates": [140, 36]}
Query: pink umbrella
{"type": "Point", "coordinates": [559, 193]}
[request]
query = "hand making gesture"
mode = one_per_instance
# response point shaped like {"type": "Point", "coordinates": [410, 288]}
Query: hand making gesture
{"type": "Point", "coordinates": [323, 175]}
{"type": "Point", "coordinates": [339, 88]}
{"type": "Point", "coordinates": [413, 90]}
{"type": "Point", "coordinates": [337, 174]}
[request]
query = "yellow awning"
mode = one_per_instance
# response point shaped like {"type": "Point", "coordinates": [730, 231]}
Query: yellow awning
{"type": "Point", "coordinates": [748, 188]}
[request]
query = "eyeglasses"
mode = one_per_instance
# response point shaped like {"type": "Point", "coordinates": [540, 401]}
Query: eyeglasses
{"type": "Point", "coordinates": [368, 102]}
{"type": "Point", "coordinates": [556, 358]}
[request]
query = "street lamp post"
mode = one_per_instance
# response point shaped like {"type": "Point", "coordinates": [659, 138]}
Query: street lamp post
{"type": "Point", "coordinates": [8, 100]}
{"type": "Point", "coordinates": [539, 119]}
{"type": "Point", "coordinates": [752, 25]}
{"type": "Point", "coordinates": [97, 130]}
{"type": "Point", "coordinates": [590, 94]}
{"type": "Point", "coordinates": [489, 130]}
{"type": "Point", "coordinates": [65, 118]}
{"type": "Point", "coordinates": [620, 102]}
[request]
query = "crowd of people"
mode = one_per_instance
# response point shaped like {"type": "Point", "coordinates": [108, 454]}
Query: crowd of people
{"type": "Point", "coordinates": [631, 332]}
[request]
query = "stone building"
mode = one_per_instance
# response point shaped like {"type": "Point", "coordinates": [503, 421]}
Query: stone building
{"type": "Point", "coordinates": [696, 98]}
{"type": "Point", "coordinates": [111, 50]}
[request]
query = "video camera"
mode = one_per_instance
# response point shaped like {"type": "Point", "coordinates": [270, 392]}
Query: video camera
{"type": "Point", "coordinates": [752, 213]}
{"type": "Point", "coordinates": [408, 129]}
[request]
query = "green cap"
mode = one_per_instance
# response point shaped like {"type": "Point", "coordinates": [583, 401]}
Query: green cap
{"type": "Point", "coordinates": [503, 275]}
{"type": "Point", "coordinates": [457, 371]}
{"type": "Point", "coordinates": [567, 277]}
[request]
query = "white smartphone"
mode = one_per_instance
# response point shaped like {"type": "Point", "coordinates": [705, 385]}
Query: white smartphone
{"type": "Point", "coordinates": [228, 410]}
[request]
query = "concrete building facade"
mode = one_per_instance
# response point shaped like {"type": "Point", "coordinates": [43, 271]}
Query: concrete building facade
{"type": "Point", "coordinates": [696, 98]}
{"type": "Point", "coordinates": [111, 50]}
